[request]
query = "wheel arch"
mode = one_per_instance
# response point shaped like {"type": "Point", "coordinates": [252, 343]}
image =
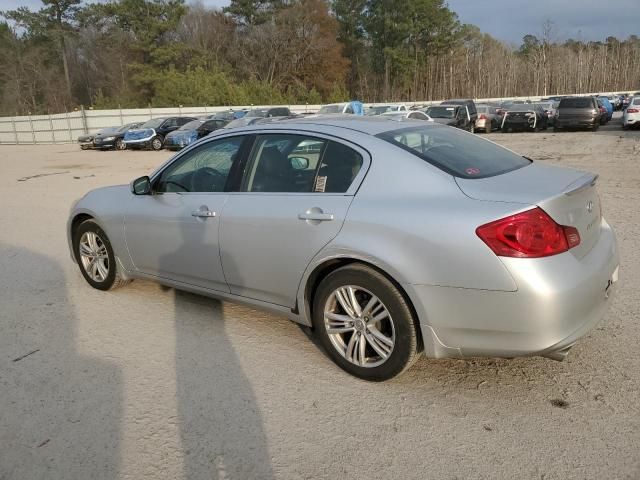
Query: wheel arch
{"type": "Point", "coordinates": [329, 265]}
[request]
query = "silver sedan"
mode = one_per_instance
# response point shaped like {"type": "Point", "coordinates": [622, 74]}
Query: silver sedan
{"type": "Point", "coordinates": [389, 238]}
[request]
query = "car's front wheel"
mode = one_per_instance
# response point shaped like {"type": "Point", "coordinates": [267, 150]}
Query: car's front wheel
{"type": "Point", "coordinates": [120, 145]}
{"type": "Point", "coordinates": [95, 257]}
{"type": "Point", "coordinates": [365, 324]}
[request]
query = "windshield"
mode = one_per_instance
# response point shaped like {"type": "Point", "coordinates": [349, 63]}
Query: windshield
{"type": "Point", "coordinates": [456, 152]}
{"type": "Point", "coordinates": [380, 110]}
{"type": "Point", "coordinates": [153, 123]}
{"type": "Point", "coordinates": [129, 126]}
{"type": "Point", "coordinates": [259, 113]}
{"type": "Point", "coordinates": [576, 103]}
{"type": "Point", "coordinates": [331, 109]}
{"type": "Point", "coordinates": [441, 112]}
{"type": "Point", "coordinates": [521, 108]}
{"type": "Point", "coordinates": [193, 125]}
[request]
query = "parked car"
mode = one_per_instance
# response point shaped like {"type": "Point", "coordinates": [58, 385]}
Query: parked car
{"type": "Point", "coordinates": [113, 137]}
{"type": "Point", "coordinates": [415, 115]}
{"type": "Point", "coordinates": [152, 133]}
{"type": "Point", "coordinates": [354, 107]}
{"type": "Point", "coordinates": [387, 239]}
{"type": "Point", "coordinates": [472, 112]}
{"type": "Point", "coordinates": [631, 116]}
{"type": "Point", "coordinates": [607, 104]}
{"type": "Point", "coordinates": [192, 131]}
{"type": "Point", "coordinates": [489, 118]}
{"type": "Point", "coordinates": [578, 112]}
{"type": "Point", "coordinates": [452, 115]}
{"type": "Point", "coordinates": [604, 119]}
{"type": "Point", "coordinates": [380, 109]}
{"type": "Point", "coordinates": [551, 109]}
{"type": "Point", "coordinates": [253, 115]}
{"type": "Point", "coordinates": [526, 117]}
{"type": "Point", "coordinates": [86, 141]}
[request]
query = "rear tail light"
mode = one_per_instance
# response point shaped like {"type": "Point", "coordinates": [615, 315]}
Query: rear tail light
{"type": "Point", "coordinates": [530, 234]}
{"type": "Point", "coordinates": [482, 116]}
{"type": "Point", "coordinates": [633, 110]}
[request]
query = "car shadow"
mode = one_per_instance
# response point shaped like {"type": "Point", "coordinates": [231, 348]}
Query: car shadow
{"type": "Point", "coordinates": [221, 428]}
{"type": "Point", "coordinates": [62, 410]}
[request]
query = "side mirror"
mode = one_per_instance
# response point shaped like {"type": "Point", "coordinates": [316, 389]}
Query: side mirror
{"type": "Point", "coordinates": [141, 186]}
{"type": "Point", "coordinates": [299, 163]}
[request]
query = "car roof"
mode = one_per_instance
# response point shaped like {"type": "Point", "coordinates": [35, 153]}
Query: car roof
{"type": "Point", "coordinates": [372, 125]}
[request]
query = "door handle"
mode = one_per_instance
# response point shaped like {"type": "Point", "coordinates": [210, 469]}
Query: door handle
{"type": "Point", "coordinates": [319, 217]}
{"type": "Point", "coordinates": [203, 213]}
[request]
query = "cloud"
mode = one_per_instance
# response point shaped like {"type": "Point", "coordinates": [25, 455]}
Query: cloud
{"type": "Point", "coordinates": [510, 20]}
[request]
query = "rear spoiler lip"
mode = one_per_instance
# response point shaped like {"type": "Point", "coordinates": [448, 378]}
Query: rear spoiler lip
{"type": "Point", "coordinates": [585, 181]}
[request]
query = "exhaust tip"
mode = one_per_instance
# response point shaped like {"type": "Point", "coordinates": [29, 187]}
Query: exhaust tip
{"type": "Point", "coordinates": [558, 355]}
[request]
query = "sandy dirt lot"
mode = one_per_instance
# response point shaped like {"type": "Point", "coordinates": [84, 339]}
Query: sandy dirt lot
{"type": "Point", "coordinates": [145, 382]}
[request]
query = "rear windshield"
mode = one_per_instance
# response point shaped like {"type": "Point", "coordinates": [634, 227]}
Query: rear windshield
{"type": "Point", "coordinates": [456, 152]}
{"type": "Point", "coordinates": [636, 101]}
{"type": "Point", "coordinates": [441, 112]}
{"type": "Point", "coordinates": [192, 125]}
{"type": "Point", "coordinates": [576, 103]}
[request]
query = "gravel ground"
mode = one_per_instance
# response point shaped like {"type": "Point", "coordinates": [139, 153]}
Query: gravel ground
{"type": "Point", "coordinates": [146, 382]}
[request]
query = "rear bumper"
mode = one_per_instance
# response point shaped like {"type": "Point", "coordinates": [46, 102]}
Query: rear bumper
{"type": "Point", "coordinates": [584, 122]}
{"type": "Point", "coordinates": [559, 299]}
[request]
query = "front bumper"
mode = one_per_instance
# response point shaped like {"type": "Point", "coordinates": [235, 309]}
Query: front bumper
{"type": "Point", "coordinates": [559, 299]}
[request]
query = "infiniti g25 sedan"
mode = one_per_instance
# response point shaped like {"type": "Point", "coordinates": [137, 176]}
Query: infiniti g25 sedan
{"type": "Point", "coordinates": [389, 238]}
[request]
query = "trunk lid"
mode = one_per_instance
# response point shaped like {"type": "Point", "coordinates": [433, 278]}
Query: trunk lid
{"type": "Point", "coordinates": [569, 196]}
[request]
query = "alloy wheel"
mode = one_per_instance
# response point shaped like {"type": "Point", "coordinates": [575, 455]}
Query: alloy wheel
{"type": "Point", "coordinates": [359, 326]}
{"type": "Point", "coordinates": [94, 256]}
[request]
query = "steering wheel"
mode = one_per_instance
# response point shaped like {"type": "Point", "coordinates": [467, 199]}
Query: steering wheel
{"type": "Point", "coordinates": [207, 179]}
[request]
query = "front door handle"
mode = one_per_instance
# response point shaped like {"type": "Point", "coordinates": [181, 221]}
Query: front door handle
{"type": "Point", "coordinates": [316, 216]}
{"type": "Point", "coordinates": [203, 213]}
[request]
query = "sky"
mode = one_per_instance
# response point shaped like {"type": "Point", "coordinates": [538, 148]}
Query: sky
{"type": "Point", "coordinates": [510, 20]}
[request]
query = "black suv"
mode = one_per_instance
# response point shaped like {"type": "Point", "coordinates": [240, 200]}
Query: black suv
{"type": "Point", "coordinates": [578, 112]}
{"type": "Point", "coordinates": [472, 112]}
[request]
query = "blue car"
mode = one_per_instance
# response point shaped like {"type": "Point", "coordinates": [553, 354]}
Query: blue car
{"type": "Point", "coordinates": [607, 104]}
{"type": "Point", "coordinates": [192, 131]}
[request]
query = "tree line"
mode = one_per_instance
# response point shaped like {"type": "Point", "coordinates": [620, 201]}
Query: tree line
{"type": "Point", "coordinates": [137, 53]}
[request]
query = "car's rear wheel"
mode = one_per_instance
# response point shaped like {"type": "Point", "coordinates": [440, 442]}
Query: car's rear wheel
{"type": "Point", "coordinates": [364, 323]}
{"type": "Point", "coordinates": [156, 143]}
{"type": "Point", "coordinates": [95, 257]}
{"type": "Point", "coordinates": [120, 145]}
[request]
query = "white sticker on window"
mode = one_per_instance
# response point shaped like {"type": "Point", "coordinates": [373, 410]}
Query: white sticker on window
{"type": "Point", "coordinates": [321, 183]}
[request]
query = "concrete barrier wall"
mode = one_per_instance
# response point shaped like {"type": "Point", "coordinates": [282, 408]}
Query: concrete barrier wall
{"type": "Point", "coordinates": [66, 127]}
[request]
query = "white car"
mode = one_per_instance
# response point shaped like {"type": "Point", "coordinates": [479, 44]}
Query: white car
{"type": "Point", "coordinates": [631, 116]}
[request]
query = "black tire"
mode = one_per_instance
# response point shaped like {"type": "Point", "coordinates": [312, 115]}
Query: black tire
{"type": "Point", "coordinates": [120, 145]}
{"type": "Point", "coordinates": [472, 128]}
{"type": "Point", "coordinates": [556, 129]}
{"type": "Point", "coordinates": [407, 341]}
{"type": "Point", "coordinates": [156, 143]}
{"type": "Point", "coordinates": [596, 126]}
{"type": "Point", "coordinates": [113, 278]}
{"type": "Point", "coordinates": [84, 147]}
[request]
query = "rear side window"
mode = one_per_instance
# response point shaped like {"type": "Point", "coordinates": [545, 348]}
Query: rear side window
{"type": "Point", "coordinates": [456, 152]}
{"type": "Point", "coordinates": [636, 101]}
{"type": "Point", "coordinates": [576, 103]}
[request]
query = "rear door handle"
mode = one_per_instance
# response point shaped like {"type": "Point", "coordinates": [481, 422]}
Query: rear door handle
{"type": "Point", "coordinates": [319, 217]}
{"type": "Point", "coordinates": [203, 213]}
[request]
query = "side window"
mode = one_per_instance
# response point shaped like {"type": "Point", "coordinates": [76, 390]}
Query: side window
{"type": "Point", "coordinates": [204, 169]}
{"type": "Point", "coordinates": [184, 121]}
{"type": "Point", "coordinates": [284, 163]}
{"type": "Point", "coordinates": [170, 122]}
{"type": "Point", "coordinates": [340, 165]}
{"type": "Point", "coordinates": [349, 109]}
